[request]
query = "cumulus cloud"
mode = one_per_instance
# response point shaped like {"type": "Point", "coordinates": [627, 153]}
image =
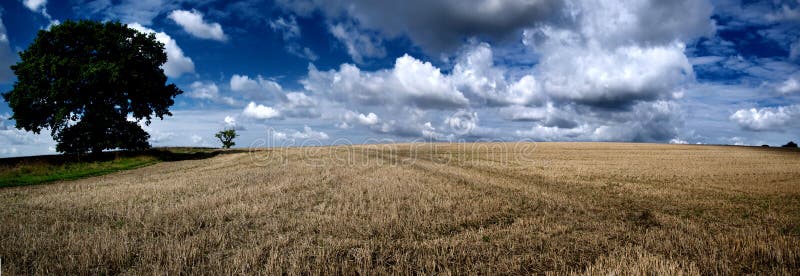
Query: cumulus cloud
{"type": "Point", "coordinates": [309, 133]}
{"type": "Point", "coordinates": [232, 123]}
{"type": "Point", "coordinates": [647, 122]}
{"type": "Point", "coordinates": [299, 105]}
{"type": "Point", "coordinates": [476, 75]}
{"type": "Point", "coordinates": [208, 91]}
{"type": "Point", "coordinates": [17, 142]}
{"type": "Point", "coordinates": [603, 70]}
{"type": "Point", "coordinates": [627, 102]}
{"type": "Point", "coordinates": [7, 56]}
{"type": "Point", "coordinates": [202, 90]}
{"type": "Point", "coordinates": [615, 77]}
{"type": "Point", "coordinates": [261, 112]}
{"type": "Point", "coordinates": [790, 86]}
{"type": "Point", "coordinates": [462, 122]}
{"type": "Point", "coordinates": [622, 22]}
{"type": "Point", "coordinates": [306, 134]}
{"type": "Point", "coordinates": [257, 88]}
{"type": "Point", "coordinates": [177, 63]}
{"type": "Point", "coordinates": [678, 141]}
{"type": "Point", "coordinates": [767, 119]}
{"type": "Point", "coordinates": [194, 24]}
{"type": "Point", "coordinates": [34, 5]}
{"type": "Point", "coordinates": [410, 82]}
{"type": "Point", "coordinates": [367, 120]}
{"type": "Point", "coordinates": [288, 103]}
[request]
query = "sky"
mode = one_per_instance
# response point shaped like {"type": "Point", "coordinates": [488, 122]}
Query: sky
{"type": "Point", "coordinates": [321, 72]}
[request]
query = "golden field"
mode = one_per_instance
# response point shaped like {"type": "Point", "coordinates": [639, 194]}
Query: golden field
{"type": "Point", "coordinates": [515, 208]}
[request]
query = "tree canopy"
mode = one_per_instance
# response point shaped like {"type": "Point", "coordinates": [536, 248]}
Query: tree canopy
{"type": "Point", "coordinates": [90, 83]}
{"type": "Point", "coordinates": [226, 138]}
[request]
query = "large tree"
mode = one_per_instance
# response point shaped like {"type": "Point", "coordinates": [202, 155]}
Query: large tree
{"type": "Point", "coordinates": [90, 83]}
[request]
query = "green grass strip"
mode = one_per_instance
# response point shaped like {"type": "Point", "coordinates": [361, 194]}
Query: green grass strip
{"type": "Point", "coordinates": [40, 172]}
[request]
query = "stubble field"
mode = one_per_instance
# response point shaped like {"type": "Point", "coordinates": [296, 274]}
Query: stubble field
{"type": "Point", "coordinates": [420, 208]}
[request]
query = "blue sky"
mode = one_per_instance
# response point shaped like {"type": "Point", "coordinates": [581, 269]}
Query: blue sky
{"type": "Point", "coordinates": [315, 72]}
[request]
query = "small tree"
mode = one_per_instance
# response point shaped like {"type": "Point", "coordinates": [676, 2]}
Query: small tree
{"type": "Point", "coordinates": [226, 138]}
{"type": "Point", "coordinates": [791, 144]}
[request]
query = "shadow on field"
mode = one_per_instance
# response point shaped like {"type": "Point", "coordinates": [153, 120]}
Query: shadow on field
{"type": "Point", "coordinates": [22, 171]}
{"type": "Point", "coordinates": [161, 154]}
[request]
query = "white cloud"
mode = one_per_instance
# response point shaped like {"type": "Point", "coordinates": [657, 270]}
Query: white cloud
{"type": "Point", "coordinates": [16, 142]}
{"type": "Point", "coordinates": [306, 134]}
{"type": "Point", "coordinates": [790, 86]}
{"type": "Point", "coordinates": [288, 27]}
{"type": "Point", "coordinates": [208, 91]}
{"type": "Point", "coordinates": [462, 122]}
{"type": "Point", "coordinates": [656, 121]}
{"type": "Point", "coordinates": [289, 104]}
{"type": "Point", "coordinates": [785, 13]}
{"type": "Point", "coordinates": [304, 52]}
{"type": "Point", "coordinates": [678, 141]}
{"type": "Point", "coordinates": [738, 141]}
{"type": "Point", "coordinates": [367, 120]}
{"type": "Point", "coordinates": [196, 139]}
{"type": "Point", "coordinates": [768, 118]}
{"type": "Point", "coordinates": [202, 90]}
{"type": "Point", "coordinates": [193, 23]}
{"type": "Point", "coordinates": [622, 22]}
{"type": "Point", "coordinates": [261, 112]}
{"type": "Point", "coordinates": [257, 89]}
{"type": "Point", "coordinates": [142, 11]}
{"type": "Point", "coordinates": [359, 44]}
{"type": "Point", "coordinates": [7, 56]}
{"type": "Point", "coordinates": [617, 76]}
{"type": "Point", "coordinates": [34, 5]}
{"type": "Point", "coordinates": [291, 35]}
{"type": "Point", "coordinates": [476, 75]}
{"type": "Point", "coordinates": [243, 83]}
{"type": "Point", "coordinates": [411, 82]}
{"type": "Point", "coordinates": [299, 105]}
{"type": "Point", "coordinates": [177, 63]}
{"type": "Point", "coordinates": [309, 133]}
{"type": "Point", "coordinates": [230, 121]}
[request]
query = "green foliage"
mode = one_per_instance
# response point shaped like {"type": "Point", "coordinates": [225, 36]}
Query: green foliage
{"type": "Point", "coordinates": [82, 80]}
{"type": "Point", "coordinates": [20, 171]}
{"type": "Point", "coordinates": [35, 173]}
{"type": "Point", "coordinates": [226, 138]}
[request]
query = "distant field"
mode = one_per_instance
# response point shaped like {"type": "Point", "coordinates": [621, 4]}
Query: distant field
{"type": "Point", "coordinates": [422, 208]}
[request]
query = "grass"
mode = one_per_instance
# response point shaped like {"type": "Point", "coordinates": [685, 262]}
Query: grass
{"type": "Point", "coordinates": [43, 169]}
{"type": "Point", "coordinates": [556, 208]}
{"type": "Point", "coordinates": [29, 174]}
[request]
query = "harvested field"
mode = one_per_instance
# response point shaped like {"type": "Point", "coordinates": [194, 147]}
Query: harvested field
{"type": "Point", "coordinates": [420, 208]}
